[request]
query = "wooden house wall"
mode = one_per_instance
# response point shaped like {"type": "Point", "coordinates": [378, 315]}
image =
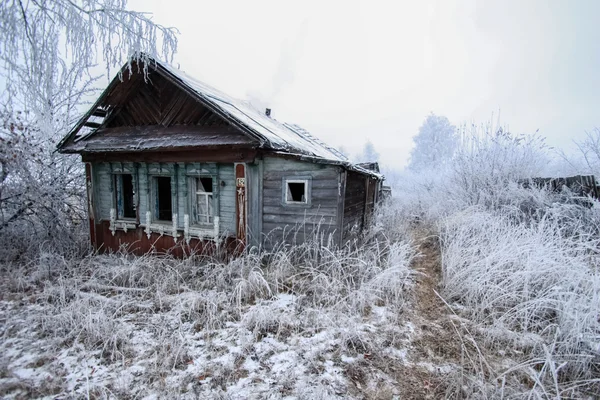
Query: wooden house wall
{"type": "Point", "coordinates": [296, 223]}
{"type": "Point", "coordinates": [103, 191]}
{"type": "Point", "coordinates": [359, 202]}
{"type": "Point", "coordinates": [254, 186]}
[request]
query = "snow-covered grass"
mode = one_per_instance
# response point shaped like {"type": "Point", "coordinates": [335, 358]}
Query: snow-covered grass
{"type": "Point", "coordinates": [520, 266]}
{"type": "Point", "coordinates": [532, 286]}
{"type": "Point", "coordinates": [306, 322]}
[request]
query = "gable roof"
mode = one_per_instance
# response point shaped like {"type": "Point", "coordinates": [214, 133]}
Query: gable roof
{"type": "Point", "coordinates": [266, 132]}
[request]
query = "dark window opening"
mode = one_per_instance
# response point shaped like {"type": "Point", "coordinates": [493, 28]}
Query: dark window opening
{"type": "Point", "coordinates": [125, 196]}
{"type": "Point", "coordinates": [163, 207]}
{"type": "Point", "coordinates": [296, 192]}
{"type": "Point", "coordinates": [206, 185]}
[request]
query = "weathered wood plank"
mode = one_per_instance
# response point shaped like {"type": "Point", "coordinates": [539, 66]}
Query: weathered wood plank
{"type": "Point", "coordinates": [282, 164]}
{"type": "Point", "coordinates": [319, 174]}
{"type": "Point", "coordinates": [289, 229]}
{"type": "Point", "coordinates": [318, 203]}
{"type": "Point", "coordinates": [340, 208]}
{"type": "Point", "coordinates": [316, 193]}
{"type": "Point", "coordinates": [280, 210]}
{"type": "Point", "coordinates": [255, 207]}
{"type": "Point", "coordinates": [299, 219]}
{"type": "Point", "coordinates": [190, 155]}
{"type": "Point", "coordinates": [315, 184]}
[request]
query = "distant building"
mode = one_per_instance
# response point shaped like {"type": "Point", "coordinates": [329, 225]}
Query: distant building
{"type": "Point", "coordinates": [174, 164]}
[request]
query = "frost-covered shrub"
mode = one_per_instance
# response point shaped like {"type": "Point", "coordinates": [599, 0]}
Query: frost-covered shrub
{"type": "Point", "coordinates": [535, 285]}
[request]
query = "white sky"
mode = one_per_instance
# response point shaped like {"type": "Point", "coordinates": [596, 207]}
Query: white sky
{"type": "Point", "coordinates": [356, 71]}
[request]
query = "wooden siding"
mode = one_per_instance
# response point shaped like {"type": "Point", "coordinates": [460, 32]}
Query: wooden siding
{"type": "Point", "coordinates": [104, 194]}
{"type": "Point", "coordinates": [296, 223]}
{"type": "Point", "coordinates": [359, 203]}
{"type": "Point", "coordinates": [156, 101]}
{"type": "Point", "coordinates": [254, 187]}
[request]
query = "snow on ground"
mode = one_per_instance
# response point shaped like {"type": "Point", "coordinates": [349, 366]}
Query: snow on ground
{"type": "Point", "coordinates": [116, 326]}
{"type": "Point", "coordinates": [399, 316]}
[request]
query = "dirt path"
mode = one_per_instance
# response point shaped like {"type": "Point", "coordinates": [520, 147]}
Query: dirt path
{"type": "Point", "coordinates": [436, 346]}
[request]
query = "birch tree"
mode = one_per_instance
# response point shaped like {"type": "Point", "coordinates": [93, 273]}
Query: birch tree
{"type": "Point", "coordinates": [49, 50]}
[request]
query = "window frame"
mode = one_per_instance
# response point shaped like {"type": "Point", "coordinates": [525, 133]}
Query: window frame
{"type": "Point", "coordinates": [123, 223]}
{"type": "Point", "coordinates": [307, 180]}
{"type": "Point", "coordinates": [153, 199]}
{"type": "Point", "coordinates": [115, 186]}
{"type": "Point", "coordinates": [193, 200]}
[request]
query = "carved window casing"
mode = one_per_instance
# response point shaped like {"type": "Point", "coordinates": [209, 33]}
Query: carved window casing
{"type": "Point", "coordinates": [124, 196]}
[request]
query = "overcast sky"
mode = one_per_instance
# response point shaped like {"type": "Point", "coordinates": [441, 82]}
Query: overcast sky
{"type": "Point", "coordinates": [356, 71]}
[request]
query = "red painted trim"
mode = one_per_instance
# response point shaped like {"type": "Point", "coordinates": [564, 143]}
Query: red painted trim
{"type": "Point", "coordinates": [240, 202]}
{"type": "Point", "coordinates": [135, 241]}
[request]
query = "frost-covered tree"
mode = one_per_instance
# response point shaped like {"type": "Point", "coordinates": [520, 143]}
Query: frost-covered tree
{"type": "Point", "coordinates": [39, 189]}
{"type": "Point", "coordinates": [47, 52]}
{"type": "Point", "coordinates": [589, 152]}
{"type": "Point", "coordinates": [45, 44]}
{"type": "Point", "coordinates": [369, 154]}
{"type": "Point", "coordinates": [490, 158]}
{"type": "Point", "coordinates": [435, 144]}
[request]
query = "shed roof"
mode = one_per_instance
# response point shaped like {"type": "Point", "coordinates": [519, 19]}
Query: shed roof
{"type": "Point", "coordinates": [268, 132]}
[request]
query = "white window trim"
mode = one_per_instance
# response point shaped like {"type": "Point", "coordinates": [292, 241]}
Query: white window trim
{"type": "Point", "coordinates": [306, 180]}
{"type": "Point", "coordinates": [197, 232]}
{"type": "Point", "coordinates": [116, 192]}
{"type": "Point", "coordinates": [208, 230]}
{"type": "Point", "coordinates": [115, 223]}
{"type": "Point", "coordinates": [206, 195]}
{"type": "Point", "coordinates": [120, 224]}
{"type": "Point", "coordinates": [154, 225]}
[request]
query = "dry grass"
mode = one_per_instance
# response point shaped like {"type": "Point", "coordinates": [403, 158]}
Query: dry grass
{"type": "Point", "coordinates": [299, 322]}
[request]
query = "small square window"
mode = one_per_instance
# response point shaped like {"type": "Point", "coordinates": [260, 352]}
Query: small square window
{"type": "Point", "coordinates": [296, 192]}
{"type": "Point", "coordinates": [124, 196]}
{"type": "Point", "coordinates": [163, 203]}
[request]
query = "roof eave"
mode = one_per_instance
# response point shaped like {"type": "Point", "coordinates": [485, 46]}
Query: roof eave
{"type": "Point", "coordinates": [319, 160]}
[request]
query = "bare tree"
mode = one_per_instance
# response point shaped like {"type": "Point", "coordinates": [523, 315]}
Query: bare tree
{"type": "Point", "coordinates": [44, 44]}
{"type": "Point", "coordinates": [47, 52]}
{"type": "Point", "coordinates": [589, 150]}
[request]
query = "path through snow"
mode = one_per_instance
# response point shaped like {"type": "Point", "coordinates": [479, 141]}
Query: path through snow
{"type": "Point", "coordinates": [435, 353]}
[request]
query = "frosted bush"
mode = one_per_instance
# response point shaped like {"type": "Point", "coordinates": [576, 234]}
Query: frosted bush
{"type": "Point", "coordinates": [527, 279]}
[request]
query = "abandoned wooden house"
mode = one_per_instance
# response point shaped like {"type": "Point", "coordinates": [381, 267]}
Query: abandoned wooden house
{"type": "Point", "coordinates": [173, 164]}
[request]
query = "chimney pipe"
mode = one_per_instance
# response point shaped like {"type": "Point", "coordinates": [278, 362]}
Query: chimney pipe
{"type": "Point", "coordinates": [268, 112]}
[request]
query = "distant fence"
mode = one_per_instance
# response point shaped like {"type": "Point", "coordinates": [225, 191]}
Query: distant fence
{"type": "Point", "coordinates": [580, 185]}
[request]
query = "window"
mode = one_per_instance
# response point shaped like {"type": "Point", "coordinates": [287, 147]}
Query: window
{"type": "Point", "coordinates": [296, 191]}
{"type": "Point", "coordinates": [163, 207]}
{"type": "Point", "coordinates": [203, 205]}
{"type": "Point", "coordinates": [124, 196]}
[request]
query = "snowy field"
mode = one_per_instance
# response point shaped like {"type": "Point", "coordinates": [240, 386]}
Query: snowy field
{"type": "Point", "coordinates": [303, 323]}
{"type": "Point", "coordinates": [475, 303]}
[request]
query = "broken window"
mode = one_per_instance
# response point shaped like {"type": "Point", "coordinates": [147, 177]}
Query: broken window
{"type": "Point", "coordinates": [296, 191]}
{"type": "Point", "coordinates": [124, 196]}
{"type": "Point", "coordinates": [163, 206]}
{"type": "Point", "coordinates": [203, 212]}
